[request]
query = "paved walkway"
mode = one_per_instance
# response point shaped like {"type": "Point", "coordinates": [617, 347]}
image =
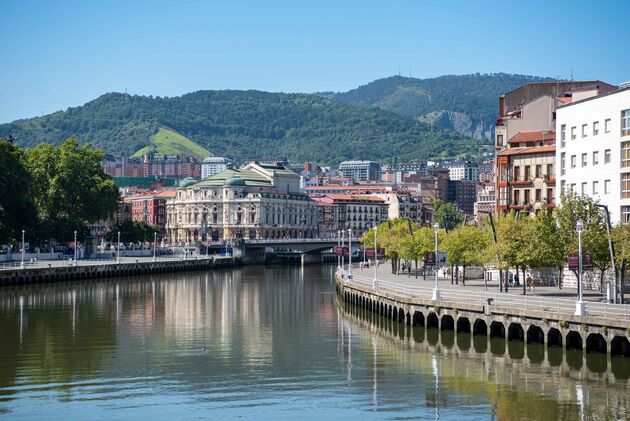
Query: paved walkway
{"type": "Point", "coordinates": [476, 285]}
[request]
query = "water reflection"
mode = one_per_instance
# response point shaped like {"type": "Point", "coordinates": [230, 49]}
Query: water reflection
{"type": "Point", "coordinates": [267, 343]}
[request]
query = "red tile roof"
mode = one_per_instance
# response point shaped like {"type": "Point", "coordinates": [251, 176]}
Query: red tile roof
{"type": "Point", "coordinates": [528, 150]}
{"type": "Point", "coordinates": [533, 136]}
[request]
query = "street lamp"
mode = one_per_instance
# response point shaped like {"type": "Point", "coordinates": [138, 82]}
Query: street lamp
{"type": "Point", "coordinates": [74, 263]}
{"type": "Point", "coordinates": [436, 290]}
{"type": "Point", "coordinates": [580, 307]}
{"type": "Point", "coordinates": [349, 252]}
{"type": "Point", "coordinates": [22, 264]}
{"type": "Point", "coordinates": [375, 257]}
{"type": "Point", "coordinates": [154, 244]}
{"type": "Point", "coordinates": [118, 249]}
{"type": "Point", "coordinates": [338, 248]}
{"type": "Point", "coordinates": [342, 243]}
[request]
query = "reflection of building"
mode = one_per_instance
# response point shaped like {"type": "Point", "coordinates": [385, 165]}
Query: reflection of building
{"type": "Point", "coordinates": [256, 201]}
{"type": "Point", "coordinates": [361, 170]}
{"type": "Point", "coordinates": [214, 165]}
{"type": "Point", "coordinates": [594, 151]}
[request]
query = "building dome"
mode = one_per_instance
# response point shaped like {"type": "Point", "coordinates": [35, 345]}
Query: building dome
{"type": "Point", "coordinates": [188, 181]}
{"type": "Point", "coordinates": [234, 181]}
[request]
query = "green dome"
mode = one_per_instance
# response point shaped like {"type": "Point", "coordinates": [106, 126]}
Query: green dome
{"type": "Point", "coordinates": [234, 181]}
{"type": "Point", "coordinates": [188, 181]}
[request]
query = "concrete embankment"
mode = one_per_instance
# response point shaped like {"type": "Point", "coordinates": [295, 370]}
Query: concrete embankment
{"type": "Point", "coordinates": [43, 273]}
{"type": "Point", "coordinates": [552, 328]}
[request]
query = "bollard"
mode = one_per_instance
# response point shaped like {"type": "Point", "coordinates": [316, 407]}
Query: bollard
{"type": "Point", "coordinates": [486, 308]}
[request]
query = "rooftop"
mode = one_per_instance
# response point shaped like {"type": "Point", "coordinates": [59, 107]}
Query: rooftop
{"type": "Point", "coordinates": [528, 150]}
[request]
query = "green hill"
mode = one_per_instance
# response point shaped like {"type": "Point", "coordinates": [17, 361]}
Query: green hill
{"type": "Point", "coordinates": [247, 124]}
{"type": "Point", "coordinates": [169, 142]}
{"type": "Point", "coordinates": [467, 104]}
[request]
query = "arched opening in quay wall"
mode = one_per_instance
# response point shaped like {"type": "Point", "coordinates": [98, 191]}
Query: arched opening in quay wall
{"type": "Point", "coordinates": [497, 330]}
{"type": "Point", "coordinates": [463, 325]}
{"type": "Point", "coordinates": [480, 327]}
{"type": "Point", "coordinates": [515, 332]}
{"type": "Point", "coordinates": [595, 342]}
{"type": "Point", "coordinates": [574, 340]}
{"type": "Point", "coordinates": [554, 337]}
{"type": "Point", "coordinates": [447, 322]}
{"type": "Point", "coordinates": [536, 335]}
{"type": "Point", "coordinates": [418, 318]}
{"type": "Point", "coordinates": [433, 321]}
{"type": "Point", "coordinates": [620, 347]}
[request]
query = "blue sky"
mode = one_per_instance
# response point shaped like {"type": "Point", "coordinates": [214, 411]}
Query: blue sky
{"type": "Point", "coordinates": [58, 54]}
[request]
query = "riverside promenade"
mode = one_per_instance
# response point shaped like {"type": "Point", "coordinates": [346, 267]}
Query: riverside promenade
{"type": "Point", "coordinates": [42, 271]}
{"type": "Point", "coordinates": [546, 315]}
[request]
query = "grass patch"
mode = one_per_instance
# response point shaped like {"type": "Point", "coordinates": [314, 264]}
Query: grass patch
{"type": "Point", "coordinates": [169, 142]}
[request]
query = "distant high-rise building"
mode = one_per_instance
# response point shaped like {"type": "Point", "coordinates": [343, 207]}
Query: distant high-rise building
{"type": "Point", "coordinates": [361, 170]}
{"type": "Point", "coordinates": [214, 165]}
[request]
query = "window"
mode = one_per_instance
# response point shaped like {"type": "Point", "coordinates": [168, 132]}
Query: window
{"type": "Point", "coordinates": [584, 130]}
{"type": "Point", "coordinates": [563, 135]}
{"type": "Point", "coordinates": [527, 197]}
{"type": "Point", "coordinates": [606, 186]}
{"type": "Point", "coordinates": [607, 156]}
{"type": "Point", "coordinates": [499, 140]}
{"type": "Point", "coordinates": [595, 157]}
{"type": "Point", "coordinates": [563, 164]}
{"type": "Point", "coordinates": [607, 125]}
{"type": "Point", "coordinates": [595, 128]}
{"type": "Point", "coordinates": [625, 154]}
{"type": "Point", "coordinates": [563, 187]}
{"type": "Point", "coordinates": [583, 188]}
{"type": "Point", "coordinates": [517, 173]}
{"type": "Point", "coordinates": [573, 133]}
{"type": "Point", "coordinates": [584, 159]}
{"type": "Point", "coordinates": [538, 195]}
{"type": "Point", "coordinates": [573, 161]}
{"type": "Point", "coordinates": [549, 170]}
{"type": "Point", "coordinates": [625, 186]}
{"type": "Point", "coordinates": [527, 173]}
{"type": "Point", "coordinates": [625, 123]}
{"type": "Point", "coordinates": [516, 196]}
{"type": "Point", "coordinates": [538, 171]}
{"type": "Point", "coordinates": [625, 214]}
{"type": "Point", "coordinates": [595, 187]}
{"type": "Point", "coordinates": [550, 198]}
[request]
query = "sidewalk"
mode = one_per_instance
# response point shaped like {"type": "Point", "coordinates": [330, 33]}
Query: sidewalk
{"type": "Point", "coordinates": [476, 285]}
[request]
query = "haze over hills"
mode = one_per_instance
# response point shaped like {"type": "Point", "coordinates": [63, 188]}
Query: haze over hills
{"type": "Point", "coordinates": [464, 103]}
{"type": "Point", "coordinates": [409, 118]}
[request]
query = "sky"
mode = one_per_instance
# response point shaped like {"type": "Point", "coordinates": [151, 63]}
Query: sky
{"type": "Point", "coordinates": [60, 54]}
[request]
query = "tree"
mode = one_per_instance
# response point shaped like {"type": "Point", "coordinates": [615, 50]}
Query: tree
{"type": "Point", "coordinates": [551, 248]}
{"type": "Point", "coordinates": [70, 189]}
{"type": "Point", "coordinates": [575, 208]}
{"type": "Point", "coordinates": [132, 232]}
{"type": "Point", "coordinates": [446, 213]}
{"type": "Point", "coordinates": [468, 245]}
{"type": "Point", "coordinates": [391, 236]}
{"type": "Point", "coordinates": [17, 211]}
{"type": "Point", "coordinates": [515, 243]}
{"type": "Point", "coordinates": [621, 240]}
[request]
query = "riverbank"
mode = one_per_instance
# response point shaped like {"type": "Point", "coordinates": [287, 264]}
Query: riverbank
{"type": "Point", "coordinates": [69, 271]}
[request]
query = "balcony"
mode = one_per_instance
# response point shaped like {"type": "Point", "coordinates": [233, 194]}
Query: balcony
{"type": "Point", "coordinates": [522, 181]}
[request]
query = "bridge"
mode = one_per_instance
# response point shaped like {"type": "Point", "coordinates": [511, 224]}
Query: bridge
{"type": "Point", "coordinates": [531, 318]}
{"type": "Point", "coordinates": [306, 249]}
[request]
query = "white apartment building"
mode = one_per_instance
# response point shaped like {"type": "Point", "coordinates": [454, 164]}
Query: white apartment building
{"type": "Point", "coordinates": [460, 170]}
{"type": "Point", "coordinates": [593, 150]}
{"type": "Point", "coordinates": [214, 165]}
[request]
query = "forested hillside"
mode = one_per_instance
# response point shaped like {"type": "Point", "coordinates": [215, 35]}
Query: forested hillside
{"type": "Point", "coordinates": [465, 103]}
{"type": "Point", "coordinates": [246, 124]}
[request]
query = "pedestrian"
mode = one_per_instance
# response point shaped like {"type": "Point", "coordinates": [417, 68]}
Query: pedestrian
{"type": "Point", "coordinates": [530, 282]}
{"type": "Point", "coordinates": [409, 269]}
{"type": "Point", "coordinates": [516, 281]}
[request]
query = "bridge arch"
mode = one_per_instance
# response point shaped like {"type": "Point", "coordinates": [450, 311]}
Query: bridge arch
{"type": "Point", "coordinates": [620, 347]}
{"type": "Point", "coordinates": [447, 322]}
{"type": "Point", "coordinates": [554, 337]}
{"type": "Point", "coordinates": [433, 320]}
{"type": "Point", "coordinates": [418, 318]}
{"type": "Point", "coordinates": [574, 340]}
{"type": "Point", "coordinates": [480, 327]}
{"type": "Point", "coordinates": [595, 342]}
{"type": "Point", "coordinates": [497, 330]}
{"type": "Point", "coordinates": [515, 332]}
{"type": "Point", "coordinates": [535, 335]}
{"type": "Point", "coordinates": [463, 325]}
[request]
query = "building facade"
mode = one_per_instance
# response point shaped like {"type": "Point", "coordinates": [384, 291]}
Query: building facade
{"type": "Point", "coordinates": [345, 211]}
{"type": "Point", "coordinates": [258, 201]}
{"type": "Point", "coordinates": [462, 170]}
{"type": "Point", "coordinates": [150, 207]}
{"type": "Point", "coordinates": [214, 165]}
{"type": "Point", "coordinates": [361, 170]}
{"type": "Point", "coordinates": [594, 150]}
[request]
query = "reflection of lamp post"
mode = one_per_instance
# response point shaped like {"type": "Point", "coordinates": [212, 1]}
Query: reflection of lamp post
{"type": "Point", "coordinates": [375, 257]}
{"type": "Point", "coordinates": [342, 243]}
{"type": "Point", "coordinates": [436, 290]}
{"type": "Point", "coordinates": [338, 248]}
{"type": "Point", "coordinates": [349, 251]}
{"type": "Point", "coordinates": [580, 308]}
{"type": "Point", "coordinates": [118, 249]}
{"type": "Point", "coordinates": [154, 244]}
{"type": "Point", "coordinates": [74, 263]}
{"type": "Point", "coordinates": [22, 264]}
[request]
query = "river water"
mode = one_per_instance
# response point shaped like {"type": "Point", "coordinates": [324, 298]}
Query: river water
{"type": "Point", "coordinates": [272, 343]}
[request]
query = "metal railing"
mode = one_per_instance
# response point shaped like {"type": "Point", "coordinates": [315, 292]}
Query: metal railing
{"type": "Point", "coordinates": [557, 305]}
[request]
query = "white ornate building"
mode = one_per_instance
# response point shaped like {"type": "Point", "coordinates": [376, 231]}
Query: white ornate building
{"type": "Point", "coordinates": [258, 201]}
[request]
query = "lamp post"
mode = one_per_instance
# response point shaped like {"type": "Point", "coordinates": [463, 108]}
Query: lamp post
{"type": "Point", "coordinates": [74, 263]}
{"type": "Point", "coordinates": [342, 243]}
{"type": "Point", "coordinates": [118, 249]}
{"type": "Point", "coordinates": [375, 257]}
{"type": "Point", "coordinates": [338, 248]}
{"type": "Point", "coordinates": [580, 307]}
{"type": "Point", "coordinates": [154, 244]}
{"type": "Point", "coordinates": [350, 252]}
{"type": "Point", "coordinates": [436, 290]}
{"type": "Point", "coordinates": [22, 264]}
{"type": "Point", "coordinates": [612, 253]}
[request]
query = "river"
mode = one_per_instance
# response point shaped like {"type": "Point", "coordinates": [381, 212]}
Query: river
{"type": "Point", "coordinates": [272, 343]}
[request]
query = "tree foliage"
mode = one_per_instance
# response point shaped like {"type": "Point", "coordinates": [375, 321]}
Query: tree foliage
{"type": "Point", "coordinates": [445, 213]}
{"type": "Point", "coordinates": [132, 232]}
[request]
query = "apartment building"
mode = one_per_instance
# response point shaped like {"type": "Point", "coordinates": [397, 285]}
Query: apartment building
{"type": "Point", "coordinates": [214, 165]}
{"type": "Point", "coordinates": [594, 150]}
{"type": "Point", "coordinates": [361, 170]}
